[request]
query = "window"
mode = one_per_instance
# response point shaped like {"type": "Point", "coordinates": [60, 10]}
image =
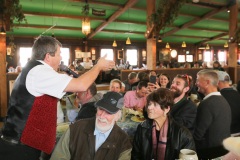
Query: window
{"type": "Point", "coordinates": [26, 52]}
{"type": "Point", "coordinates": [207, 56]}
{"type": "Point", "coordinates": [189, 58]}
{"type": "Point", "coordinates": [221, 56]}
{"type": "Point", "coordinates": [65, 53]}
{"type": "Point", "coordinates": [109, 53]}
{"type": "Point", "coordinates": [132, 57]}
{"type": "Point", "coordinates": [181, 58]}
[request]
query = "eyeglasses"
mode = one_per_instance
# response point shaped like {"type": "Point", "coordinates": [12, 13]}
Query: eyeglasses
{"type": "Point", "coordinates": [185, 76]}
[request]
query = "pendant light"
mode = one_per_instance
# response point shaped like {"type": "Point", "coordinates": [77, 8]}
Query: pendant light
{"type": "Point", "coordinates": [86, 26]}
{"type": "Point", "coordinates": [114, 44]}
{"type": "Point", "coordinates": [128, 41]}
{"type": "Point", "coordinates": [184, 44]}
{"type": "Point", "coordinates": [2, 30]}
{"type": "Point", "coordinates": [159, 39]}
{"type": "Point", "coordinates": [167, 45]}
{"type": "Point", "coordinates": [207, 46]}
{"type": "Point", "coordinates": [225, 45]}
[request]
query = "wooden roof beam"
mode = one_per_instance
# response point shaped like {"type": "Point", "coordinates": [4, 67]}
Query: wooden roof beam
{"type": "Point", "coordinates": [113, 17]}
{"type": "Point", "coordinates": [214, 38]}
{"type": "Point", "coordinates": [186, 25]}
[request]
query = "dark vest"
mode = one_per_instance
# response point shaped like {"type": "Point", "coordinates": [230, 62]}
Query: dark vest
{"type": "Point", "coordinates": [31, 120]}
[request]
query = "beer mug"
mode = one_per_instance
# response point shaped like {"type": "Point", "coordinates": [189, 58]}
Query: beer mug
{"type": "Point", "coordinates": [193, 97]}
{"type": "Point", "coordinates": [187, 154]}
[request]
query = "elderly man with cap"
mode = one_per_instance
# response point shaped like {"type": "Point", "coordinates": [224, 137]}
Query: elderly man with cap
{"type": "Point", "coordinates": [98, 137]}
{"type": "Point", "coordinates": [233, 98]}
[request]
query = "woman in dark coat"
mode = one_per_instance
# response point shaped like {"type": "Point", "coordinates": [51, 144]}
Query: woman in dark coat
{"type": "Point", "coordinates": [159, 137]}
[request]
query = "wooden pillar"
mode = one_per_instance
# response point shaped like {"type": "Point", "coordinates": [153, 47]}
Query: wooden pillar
{"type": "Point", "coordinates": [233, 26]}
{"type": "Point", "coordinates": [151, 54]}
{"type": "Point", "coordinates": [3, 87]}
{"type": "Point", "coordinates": [151, 43]}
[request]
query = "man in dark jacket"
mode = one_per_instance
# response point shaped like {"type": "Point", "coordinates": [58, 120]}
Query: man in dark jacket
{"type": "Point", "coordinates": [184, 111]}
{"type": "Point", "coordinates": [96, 138]}
{"type": "Point", "coordinates": [213, 117]}
{"type": "Point", "coordinates": [233, 98]}
{"type": "Point", "coordinates": [85, 100]}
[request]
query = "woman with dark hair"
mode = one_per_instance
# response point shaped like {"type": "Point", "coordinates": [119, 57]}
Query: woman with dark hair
{"type": "Point", "coordinates": [164, 81]}
{"type": "Point", "coordinates": [159, 137]}
{"type": "Point", "coordinates": [217, 66]}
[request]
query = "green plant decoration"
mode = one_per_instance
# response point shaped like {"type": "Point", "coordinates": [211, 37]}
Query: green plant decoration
{"type": "Point", "coordinates": [11, 10]}
{"type": "Point", "coordinates": [12, 45]}
{"type": "Point", "coordinates": [85, 9]}
{"type": "Point", "coordinates": [165, 14]}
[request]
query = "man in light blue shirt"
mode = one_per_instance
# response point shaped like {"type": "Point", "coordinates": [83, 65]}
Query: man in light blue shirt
{"type": "Point", "coordinates": [98, 137]}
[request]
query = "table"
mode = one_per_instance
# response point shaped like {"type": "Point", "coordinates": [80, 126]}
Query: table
{"type": "Point", "coordinates": [128, 126]}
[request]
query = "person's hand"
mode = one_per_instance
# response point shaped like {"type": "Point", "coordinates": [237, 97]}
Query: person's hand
{"type": "Point", "coordinates": [104, 64]}
{"type": "Point", "coordinates": [137, 108]}
{"type": "Point", "coordinates": [152, 86]}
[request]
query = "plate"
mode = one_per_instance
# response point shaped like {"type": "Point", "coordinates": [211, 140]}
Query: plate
{"type": "Point", "coordinates": [62, 127]}
{"type": "Point", "coordinates": [137, 119]}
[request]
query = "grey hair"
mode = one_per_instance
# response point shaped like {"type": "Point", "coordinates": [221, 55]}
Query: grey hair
{"type": "Point", "coordinates": [44, 45]}
{"type": "Point", "coordinates": [211, 75]}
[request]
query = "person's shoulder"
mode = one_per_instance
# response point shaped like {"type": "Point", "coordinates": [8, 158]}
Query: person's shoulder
{"type": "Point", "coordinates": [125, 81]}
{"type": "Point", "coordinates": [129, 93]}
{"type": "Point", "coordinates": [190, 103]}
{"type": "Point", "coordinates": [88, 104]}
{"type": "Point", "coordinates": [83, 121]}
{"type": "Point", "coordinates": [178, 127]}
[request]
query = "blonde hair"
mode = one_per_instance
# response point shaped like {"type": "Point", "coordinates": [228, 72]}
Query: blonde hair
{"type": "Point", "coordinates": [116, 81]}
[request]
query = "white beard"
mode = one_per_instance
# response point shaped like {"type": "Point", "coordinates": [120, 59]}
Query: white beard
{"type": "Point", "coordinates": [104, 128]}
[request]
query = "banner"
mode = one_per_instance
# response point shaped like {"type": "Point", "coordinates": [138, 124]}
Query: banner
{"type": "Point", "coordinates": [98, 12]}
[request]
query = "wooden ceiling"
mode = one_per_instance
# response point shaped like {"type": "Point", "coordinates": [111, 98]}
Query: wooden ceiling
{"type": "Point", "coordinates": [204, 22]}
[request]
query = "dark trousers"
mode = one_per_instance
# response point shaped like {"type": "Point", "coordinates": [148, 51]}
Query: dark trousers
{"type": "Point", "coordinates": [10, 151]}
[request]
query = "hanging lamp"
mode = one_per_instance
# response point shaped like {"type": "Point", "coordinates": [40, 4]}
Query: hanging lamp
{"type": "Point", "coordinates": [86, 27]}
{"type": "Point", "coordinates": [128, 41]}
{"type": "Point", "coordinates": [2, 30]}
{"type": "Point", "coordinates": [159, 39]}
{"type": "Point", "coordinates": [184, 44]}
{"type": "Point", "coordinates": [225, 45]}
{"type": "Point", "coordinates": [207, 46]}
{"type": "Point", "coordinates": [114, 43]}
{"type": "Point", "coordinates": [167, 45]}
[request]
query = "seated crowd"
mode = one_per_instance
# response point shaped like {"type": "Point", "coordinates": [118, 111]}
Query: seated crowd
{"type": "Point", "coordinates": [173, 121]}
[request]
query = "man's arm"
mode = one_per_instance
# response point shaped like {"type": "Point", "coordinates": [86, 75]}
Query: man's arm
{"type": "Point", "coordinates": [203, 121]}
{"type": "Point", "coordinates": [84, 81]}
{"type": "Point", "coordinates": [126, 100]}
{"type": "Point", "coordinates": [187, 116]}
{"type": "Point", "coordinates": [61, 151]}
{"type": "Point", "coordinates": [126, 155]}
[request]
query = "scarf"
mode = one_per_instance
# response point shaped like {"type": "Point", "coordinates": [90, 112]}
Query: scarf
{"type": "Point", "coordinates": [159, 146]}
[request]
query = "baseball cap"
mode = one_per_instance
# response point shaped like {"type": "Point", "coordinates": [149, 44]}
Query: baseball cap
{"type": "Point", "coordinates": [223, 76]}
{"type": "Point", "coordinates": [110, 102]}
